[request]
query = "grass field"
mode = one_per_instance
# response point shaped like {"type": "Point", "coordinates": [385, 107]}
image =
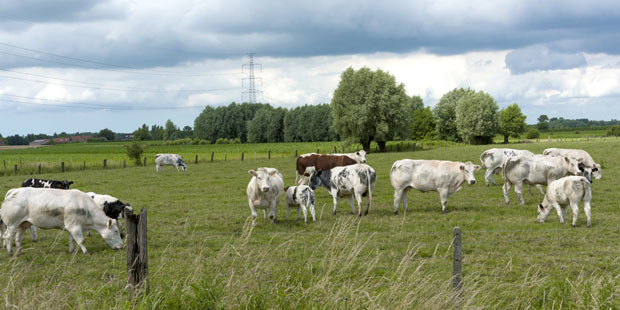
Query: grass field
{"type": "Point", "coordinates": [203, 254]}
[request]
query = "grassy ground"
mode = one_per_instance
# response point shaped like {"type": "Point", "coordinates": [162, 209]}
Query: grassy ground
{"type": "Point", "coordinates": [203, 254]}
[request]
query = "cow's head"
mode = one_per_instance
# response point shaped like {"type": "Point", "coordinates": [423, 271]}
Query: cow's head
{"type": "Point", "coordinates": [468, 170]}
{"type": "Point", "coordinates": [114, 209]}
{"type": "Point", "coordinates": [111, 235]}
{"type": "Point", "coordinates": [262, 178]}
{"type": "Point", "coordinates": [543, 210]}
{"type": "Point", "coordinates": [572, 166]}
{"type": "Point", "coordinates": [585, 171]}
{"type": "Point", "coordinates": [360, 156]}
{"type": "Point", "coordinates": [66, 184]}
{"type": "Point", "coordinates": [596, 171]}
{"type": "Point", "coordinates": [315, 180]}
{"type": "Point", "coordinates": [181, 163]}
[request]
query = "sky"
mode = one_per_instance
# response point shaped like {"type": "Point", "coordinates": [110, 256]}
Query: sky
{"type": "Point", "coordinates": [85, 65]}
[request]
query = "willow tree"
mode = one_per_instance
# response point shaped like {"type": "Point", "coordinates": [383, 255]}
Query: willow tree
{"type": "Point", "coordinates": [477, 119]}
{"type": "Point", "coordinates": [369, 106]}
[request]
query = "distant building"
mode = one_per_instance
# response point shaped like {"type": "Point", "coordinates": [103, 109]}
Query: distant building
{"type": "Point", "coordinates": [39, 142]}
{"type": "Point", "coordinates": [1, 141]}
{"type": "Point", "coordinates": [80, 138]}
{"type": "Point", "coordinates": [124, 136]}
{"type": "Point", "coordinates": [62, 140]}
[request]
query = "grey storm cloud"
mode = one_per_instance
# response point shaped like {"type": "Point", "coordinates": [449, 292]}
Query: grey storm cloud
{"type": "Point", "coordinates": [541, 58]}
{"type": "Point", "coordinates": [164, 33]}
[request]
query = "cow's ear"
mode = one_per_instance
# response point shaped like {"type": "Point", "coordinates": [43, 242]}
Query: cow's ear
{"type": "Point", "coordinates": [252, 172]}
{"type": "Point", "coordinates": [477, 167]}
{"type": "Point", "coordinates": [110, 222]}
{"type": "Point", "coordinates": [357, 153]}
{"type": "Point", "coordinates": [540, 206]}
{"type": "Point", "coordinates": [566, 159]}
{"type": "Point", "coordinates": [70, 182]}
{"type": "Point", "coordinates": [273, 173]}
{"type": "Point", "coordinates": [462, 167]}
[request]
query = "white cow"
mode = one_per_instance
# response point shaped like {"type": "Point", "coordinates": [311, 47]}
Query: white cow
{"type": "Point", "coordinates": [264, 191]}
{"type": "Point", "coordinates": [301, 196]}
{"type": "Point", "coordinates": [45, 208]}
{"type": "Point", "coordinates": [169, 159]}
{"type": "Point", "coordinates": [492, 160]}
{"type": "Point", "coordinates": [592, 169]}
{"type": "Point", "coordinates": [444, 177]}
{"type": "Point", "coordinates": [348, 181]}
{"type": "Point", "coordinates": [563, 192]}
{"type": "Point", "coordinates": [537, 169]}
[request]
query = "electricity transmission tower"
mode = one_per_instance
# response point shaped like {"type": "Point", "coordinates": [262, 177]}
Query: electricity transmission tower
{"type": "Point", "coordinates": [251, 80]}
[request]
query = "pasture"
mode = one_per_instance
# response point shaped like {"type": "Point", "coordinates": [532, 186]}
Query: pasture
{"type": "Point", "coordinates": [203, 254]}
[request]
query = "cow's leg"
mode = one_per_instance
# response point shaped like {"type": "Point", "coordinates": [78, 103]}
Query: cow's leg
{"type": "Point", "coordinates": [506, 189]}
{"type": "Point", "coordinates": [400, 195]}
{"type": "Point", "coordinates": [335, 199]}
{"type": "Point", "coordinates": [288, 210]}
{"type": "Point", "coordinates": [586, 209]}
{"type": "Point", "coordinates": [304, 208]}
{"type": "Point", "coordinates": [157, 168]}
{"type": "Point", "coordinates": [529, 186]}
{"type": "Point", "coordinates": [273, 210]}
{"type": "Point", "coordinates": [358, 198]}
{"type": "Point", "coordinates": [519, 191]}
{"type": "Point", "coordinates": [352, 204]}
{"type": "Point", "coordinates": [265, 213]}
{"type": "Point", "coordinates": [558, 208]}
{"type": "Point", "coordinates": [8, 239]}
{"type": "Point", "coordinates": [76, 233]}
{"type": "Point", "coordinates": [312, 212]}
{"type": "Point", "coordinates": [299, 212]}
{"type": "Point", "coordinates": [33, 233]}
{"type": "Point", "coordinates": [368, 202]}
{"type": "Point", "coordinates": [575, 207]}
{"type": "Point", "coordinates": [70, 242]}
{"type": "Point", "coordinates": [444, 194]}
{"type": "Point", "coordinates": [254, 214]}
{"type": "Point", "coordinates": [488, 176]}
{"type": "Point", "coordinates": [18, 240]}
{"type": "Point", "coordinates": [540, 189]}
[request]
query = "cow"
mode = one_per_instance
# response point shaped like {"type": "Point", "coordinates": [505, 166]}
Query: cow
{"type": "Point", "coordinates": [71, 210]}
{"type": "Point", "coordinates": [537, 169]}
{"type": "Point", "coordinates": [39, 183]}
{"type": "Point", "coordinates": [591, 168]}
{"type": "Point", "coordinates": [492, 160]}
{"type": "Point", "coordinates": [169, 159]}
{"type": "Point", "coordinates": [301, 196]}
{"type": "Point", "coordinates": [264, 191]}
{"type": "Point", "coordinates": [444, 177]}
{"type": "Point", "coordinates": [323, 162]}
{"type": "Point", "coordinates": [355, 180]}
{"type": "Point", "coordinates": [111, 206]}
{"type": "Point", "coordinates": [564, 192]}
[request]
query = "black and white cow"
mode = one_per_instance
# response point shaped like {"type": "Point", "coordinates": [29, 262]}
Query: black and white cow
{"type": "Point", "coordinates": [39, 183]}
{"type": "Point", "coordinates": [111, 206]}
{"type": "Point", "coordinates": [169, 159]}
{"type": "Point", "coordinates": [355, 180]}
{"type": "Point", "coordinates": [301, 196]}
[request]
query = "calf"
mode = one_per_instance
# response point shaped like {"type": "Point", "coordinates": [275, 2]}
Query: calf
{"type": "Point", "coordinates": [264, 192]}
{"type": "Point", "coordinates": [589, 167]}
{"type": "Point", "coordinates": [444, 177]}
{"type": "Point", "coordinates": [321, 162]}
{"type": "Point", "coordinates": [356, 180]}
{"type": "Point", "coordinates": [301, 196]}
{"type": "Point", "coordinates": [39, 183]}
{"type": "Point", "coordinates": [537, 169]}
{"type": "Point", "coordinates": [563, 192]}
{"type": "Point", "coordinates": [71, 210]}
{"type": "Point", "coordinates": [169, 159]}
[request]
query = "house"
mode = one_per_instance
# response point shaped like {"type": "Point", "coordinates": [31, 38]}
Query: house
{"type": "Point", "coordinates": [62, 140]}
{"type": "Point", "coordinates": [124, 136]}
{"type": "Point", "coordinates": [80, 138]}
{"type": "Point", "coordinates": [39, 142]}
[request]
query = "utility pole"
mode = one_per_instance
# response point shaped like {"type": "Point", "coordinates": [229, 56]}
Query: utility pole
{"type": "Point", "coordinates": [251, 80]}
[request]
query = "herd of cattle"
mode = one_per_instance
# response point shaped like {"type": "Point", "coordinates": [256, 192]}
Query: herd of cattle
{"type": "Point", "coordinates": [567, 173]}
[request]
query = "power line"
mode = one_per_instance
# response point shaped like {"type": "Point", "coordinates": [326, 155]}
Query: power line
{"type": "Point", "coordinates": [141, 71]}
{"type": "Point", "coordinates": [88, 106]}
{"type": "Point", "coordinates": [251, 80]}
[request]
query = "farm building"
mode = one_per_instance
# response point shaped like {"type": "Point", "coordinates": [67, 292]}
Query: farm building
{"type": "Point", "coordinates": [62, 140]}
{"type": "Point", "coordinates": [39, 142]}
{"type": "Point", "coordinates": [80, 138]}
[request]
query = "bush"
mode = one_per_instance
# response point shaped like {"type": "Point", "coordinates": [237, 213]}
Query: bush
{"type": "Point", "coordinates": [222, 141]}
{"type": "Point", "coordinates": [614, 131]}
{"type": "Point", "coordinates": [533, 133]}
{"type": "Point", "coordinates": [203, 142]}
{"type": "Point", "coordinates": [235, 141]}
{"type": "Point", "coordinates": [134, 151]}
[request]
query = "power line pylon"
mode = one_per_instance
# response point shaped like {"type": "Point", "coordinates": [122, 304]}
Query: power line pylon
{"type": "Point", "coordinates": [251, 80]}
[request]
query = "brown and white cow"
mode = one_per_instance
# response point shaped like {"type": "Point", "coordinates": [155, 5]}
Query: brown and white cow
{"type": "Point", "coordinates": [324, 162]}
{"type": "Point", "coordinates": [533, 170]}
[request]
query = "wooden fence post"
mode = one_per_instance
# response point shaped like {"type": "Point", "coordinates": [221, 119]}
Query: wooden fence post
{"type": "Point", "coordinates": [137, 254]}
{"type": "Point", "coordinates": [124, 164]}
{"type": "Point", "coordinates": [105, 163]}
{"type": "Point", "coordinates": [318, 151]}
{"type": "Point", "coordinates": [457, 260]}
{"type": "Point", "coordinates": [84, 165]}
{"type": "Point", "coordinates": [296, 154]}
{"type": "Point", "coordinates": [62, 166]}
{"type": "Point", "coordinates": [212, 153]}
{"type": "Point", "coordinates": [268, 154]}
{"type": "Point", "coordinates": [15, 168]}
{"type": "Point", "coordinates": [39, 169]}
{"type": "Point", "coordinates": [4, 160]}
{"type": "Point", "coordinates": [145, 160]}
{"type": "Point", "coordinates": [196, 160]}
{"type": "Point", "coordinates": [241, 156]}
{"type": "Point", "coordinates": [20, 161]}
{"type": "Point", "coordinates": [335, 151]}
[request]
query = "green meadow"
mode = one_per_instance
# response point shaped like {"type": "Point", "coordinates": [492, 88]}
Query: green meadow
{"type": "Point", "coordinates": [205, 254]}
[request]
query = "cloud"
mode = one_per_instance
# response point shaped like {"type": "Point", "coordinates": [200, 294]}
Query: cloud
{"type": "Point", "coordinates": [541, 58]}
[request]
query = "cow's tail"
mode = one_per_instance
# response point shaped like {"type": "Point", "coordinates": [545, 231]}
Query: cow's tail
{"type": "Point", "coordinates": [369, 186]}
{"type": "Point", "coordinates": [483, 156]}
{"type": "Point", "coordinates": [587, 192]}
{"type": "Point", "coordinates": [510, 162]}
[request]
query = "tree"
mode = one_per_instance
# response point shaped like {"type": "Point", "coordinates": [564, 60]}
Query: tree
{"type": "Point", "coordinates": [613, 131]}
{"type": "Point", "coordinates": [141, 133]}
{"type": "Point", "coordinates": [170, 131]}
{"type": "Point", "coordinates": [543, 122]}
{"type": "Point", "coordinates": [134, 151]}
{"type": "Point", "coordinates": [511, 122]}
{"type": "Point", "coordinates": [477, 121]}
{"type": "Point", "coordinates": [267, 125]}
{"type": "Point", "coordinates": [445, 114]}
{"type": "Point", "coordinates": [187, 132]}
{"type": "Point", "coordinates": [157, 132]}
{"type": "Point", "coordinates": [107, 133]}
{"type": "Point", "coordinates": [423, 124]}
{"type": "Point", "coordinates": [368, 105]}
{"type": "Point", "coordinates": [532, 133]}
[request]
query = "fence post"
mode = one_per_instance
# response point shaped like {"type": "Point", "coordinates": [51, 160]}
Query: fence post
{"type": "Point", "coordinates": [84, 165]}
{"type": "Point", "coordinates": [457, 262]}
{"type": "Point", "coordinates": [124, 164]}
{"type": "Point", "coordinates": [335, 151]}
{"type": "Point", "coordinates": [62, 166]}
{"type": "Point", "coordinates": [268, 154]}
{"type": "Point", "coordinates": [397, 147]}
{"type": "Point", "coordinates": [225, 155]}
{"type": "Point", "coordinates": [105, 163]}
{"type": "Point", "coordinates": [212, 153]}
{"type": "Point", "coordinates": [4, 160]}
{"type": "Point", "coordinates": [145, 160]}
{"type": "Point", "coordinates": [15, 168]}
{"type": "Point", "coordinates": [20, 161]}
{"type": "Point", "coordinates": [318, 151]}
{"type": "Point", "coordinates": [241, 156]}
{"type": "Point", "coordinates": [39, 169]}
{"type": "Point", "coordinates": [137, 254]}
{"type": "Point", "coordinates": [296, 154]}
